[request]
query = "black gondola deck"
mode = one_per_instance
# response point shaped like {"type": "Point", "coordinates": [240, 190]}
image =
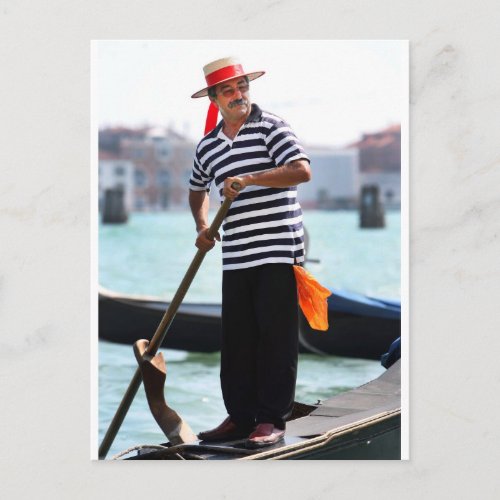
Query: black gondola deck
{"type": "Point", "coordinates": [363, 423]}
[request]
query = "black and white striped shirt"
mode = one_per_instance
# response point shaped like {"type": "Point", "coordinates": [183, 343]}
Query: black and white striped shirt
{"type": "Point", "coordinates": [263, 225]}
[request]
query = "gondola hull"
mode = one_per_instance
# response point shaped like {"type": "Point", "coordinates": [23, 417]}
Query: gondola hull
{"type": "Point", "coordinates": [358, 327]}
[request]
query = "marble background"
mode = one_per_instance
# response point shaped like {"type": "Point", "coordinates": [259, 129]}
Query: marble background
{"type": "Point", "coordinates": [45, 247]}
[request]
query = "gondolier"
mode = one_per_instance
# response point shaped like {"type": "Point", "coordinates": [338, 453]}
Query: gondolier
{"type": "Point", "coordinates": [263, 238]}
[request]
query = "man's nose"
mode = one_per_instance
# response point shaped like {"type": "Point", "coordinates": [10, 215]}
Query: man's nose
{"type": "Point", "coordinates": [238, 92]}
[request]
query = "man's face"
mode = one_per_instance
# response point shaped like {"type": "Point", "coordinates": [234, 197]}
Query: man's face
{"type": "Point", "coordinates": [233, 99]}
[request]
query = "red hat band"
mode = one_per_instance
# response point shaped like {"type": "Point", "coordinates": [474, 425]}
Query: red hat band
{"type": "Point", "coordinates": [224, 74]}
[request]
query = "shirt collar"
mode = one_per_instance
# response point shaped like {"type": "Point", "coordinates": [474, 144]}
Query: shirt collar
{"type": "Point", "coordinates": [255, 114]}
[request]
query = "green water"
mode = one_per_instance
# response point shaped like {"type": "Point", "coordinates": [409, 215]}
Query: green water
{"type": "Point", "coordinates": [150, 254]}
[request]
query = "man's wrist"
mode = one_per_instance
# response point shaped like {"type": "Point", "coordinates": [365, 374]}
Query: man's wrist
{"type": "Point", "coordinates": [249, 180]}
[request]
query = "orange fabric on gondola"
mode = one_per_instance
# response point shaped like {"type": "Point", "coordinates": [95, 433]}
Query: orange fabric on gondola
{"type": "Point", "coordinates": [312, 299]}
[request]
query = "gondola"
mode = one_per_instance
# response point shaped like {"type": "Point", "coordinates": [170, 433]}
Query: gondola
{"type": "Point", "coordinates": [361, 424]}
{"type": "Point", "coordinates": [359, 326]}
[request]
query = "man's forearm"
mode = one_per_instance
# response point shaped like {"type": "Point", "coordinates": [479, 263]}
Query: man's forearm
{"type": "Point", "coordinates": [283, 176]}
{"type": "Point", "coordinates": [199, 202]}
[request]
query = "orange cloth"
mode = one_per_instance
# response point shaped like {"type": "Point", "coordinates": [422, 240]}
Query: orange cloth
{"type": "Point", "coordinates": [312, 299]}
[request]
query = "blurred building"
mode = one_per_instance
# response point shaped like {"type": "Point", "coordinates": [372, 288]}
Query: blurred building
{"type": "Point", "coordinates": [335, 179]}
{"type": "Point", "coordinates": [153, 165]}
{"type": "Point", "coordinates": [116, 173]}
{"type": "Point", "coordinates": [161, 162]}
{"type": "Point", "coordinates": [380, 163]}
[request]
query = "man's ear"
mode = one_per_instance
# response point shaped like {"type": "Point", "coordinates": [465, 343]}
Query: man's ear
{"type": "Point", "coordinates": [214, 101]}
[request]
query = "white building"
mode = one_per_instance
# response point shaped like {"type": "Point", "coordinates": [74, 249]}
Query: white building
{"type": "Point", "coordinates": [117, 173]}
{"type": "Point", "coordinates": [335, 179]}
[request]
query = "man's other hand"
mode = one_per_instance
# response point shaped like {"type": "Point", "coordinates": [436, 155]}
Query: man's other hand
{"type": "Point", "coordinates": [203, 242]}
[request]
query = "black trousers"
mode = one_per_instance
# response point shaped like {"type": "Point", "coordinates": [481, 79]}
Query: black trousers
{"type": "Point", "coordinates": [259, 343]}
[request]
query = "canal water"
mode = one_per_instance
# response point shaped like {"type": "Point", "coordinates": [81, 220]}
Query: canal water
{"type": "Point", "coordinates": [150, 255]}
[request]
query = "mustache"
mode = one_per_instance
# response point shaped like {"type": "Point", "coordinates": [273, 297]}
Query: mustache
{"type": "Point", "coordinates": [237, 102]}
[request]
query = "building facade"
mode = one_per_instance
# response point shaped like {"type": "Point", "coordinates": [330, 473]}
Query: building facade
{"type": "Point", "coordinates": [118, 174]}
{"type": "Point", "coordinates": [153, 164]}
{"type": "Point", "coordinates": [335, 179]}
{"type": "Point", "coordinates": [380, 163]}
{"type": "Point", "coordinates": [161, 162]}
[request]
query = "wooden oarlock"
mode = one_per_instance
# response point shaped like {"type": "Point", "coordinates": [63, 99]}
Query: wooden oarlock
{"type": "Point", "coordinates": [154, 373]}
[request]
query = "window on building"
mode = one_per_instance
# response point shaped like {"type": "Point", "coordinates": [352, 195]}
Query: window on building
{"type": "Point", "coordinates": [163, 178]}
{"type": "Point", "coordinates": [140, 178]}
{"type": "Point", "coordinates": [119, 170]}
{"type": "Point", "coordinates": [163, 152]}
{"type": "Point", "coordinates": [164, 200]}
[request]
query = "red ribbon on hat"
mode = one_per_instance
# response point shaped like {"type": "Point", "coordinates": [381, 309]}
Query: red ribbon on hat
{"type": "Point", "coordinates": [224, 74]}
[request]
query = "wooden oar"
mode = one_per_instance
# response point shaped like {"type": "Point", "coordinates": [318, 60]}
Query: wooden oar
{"type": "Point", "coordinates": [161, 331]}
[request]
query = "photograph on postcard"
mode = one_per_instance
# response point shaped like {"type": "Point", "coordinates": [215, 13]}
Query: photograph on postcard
{"type": "Point", "coordinates": [250, 231]}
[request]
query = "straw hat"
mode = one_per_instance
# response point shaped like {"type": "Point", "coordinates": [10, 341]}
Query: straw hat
{"type": "Point", "coordinates": [222, 70]}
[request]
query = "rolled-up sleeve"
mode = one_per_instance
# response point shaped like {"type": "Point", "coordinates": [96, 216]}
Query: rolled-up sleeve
{"type": "Point", "coordinates": [283, 145]}
{"type": "Point", "coordinates": [201, 178]}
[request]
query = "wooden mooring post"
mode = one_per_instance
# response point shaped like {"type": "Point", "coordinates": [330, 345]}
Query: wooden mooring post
{"type": "Point", "coordinates": [114, 211]}
{"type": "Point", "coordinates": [371, 208]}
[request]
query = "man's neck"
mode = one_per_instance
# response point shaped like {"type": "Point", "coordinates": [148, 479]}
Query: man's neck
{"type": "Point", "coordinates": [231, 129]}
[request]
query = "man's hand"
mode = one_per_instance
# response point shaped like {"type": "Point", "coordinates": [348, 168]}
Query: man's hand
{"type": "Point", "coordinates": [229, 192]}
{"type": "Point", "coordinates": [202, 240]}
